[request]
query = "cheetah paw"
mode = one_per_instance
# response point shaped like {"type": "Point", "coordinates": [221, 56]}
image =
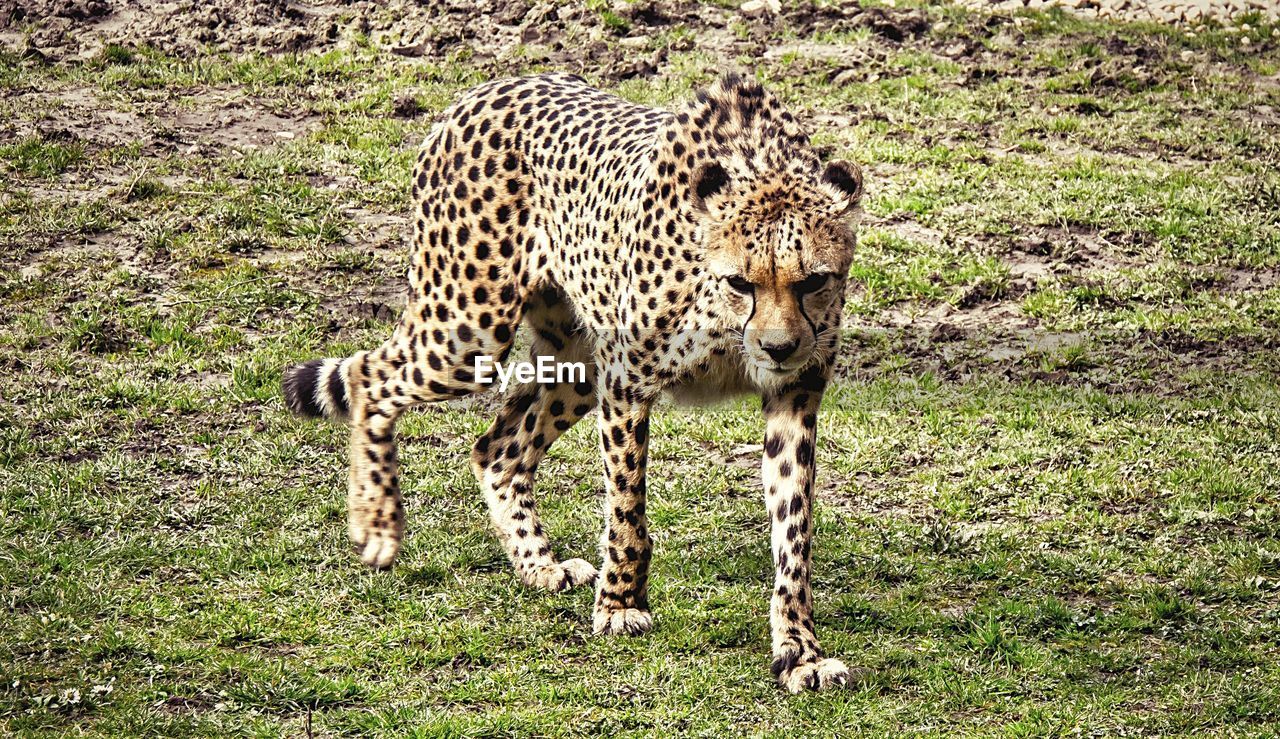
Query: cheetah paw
{"type": "Point", "coordinates": [377, 547]}
{"type": "Point", "coordinates": [629, 621]}
{"type": "Point", "coordinates": [565, 575]}
{"type": "Point", "coordinates": [816, 674]}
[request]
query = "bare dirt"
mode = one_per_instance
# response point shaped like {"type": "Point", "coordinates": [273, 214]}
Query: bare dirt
{"type": "Point", "coordinates": [569, 37]}
{"type": "Point", "coordinates": [1187, 12]}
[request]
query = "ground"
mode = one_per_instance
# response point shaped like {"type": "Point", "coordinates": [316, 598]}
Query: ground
{"type": "Point", "coordinates": [1050, 474]}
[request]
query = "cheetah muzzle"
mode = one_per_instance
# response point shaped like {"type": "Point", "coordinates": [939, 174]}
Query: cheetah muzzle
{"type": "Point", "coordinates": [700, 252]}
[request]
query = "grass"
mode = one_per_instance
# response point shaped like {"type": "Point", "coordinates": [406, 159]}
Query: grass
{"type": "Point", "coordinates": [1047, 505]}
{"type": "Point", "coordinates": [41, 158]}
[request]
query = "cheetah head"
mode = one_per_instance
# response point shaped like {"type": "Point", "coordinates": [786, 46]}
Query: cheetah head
{"type": "Point", "coordinates": [778, 251]}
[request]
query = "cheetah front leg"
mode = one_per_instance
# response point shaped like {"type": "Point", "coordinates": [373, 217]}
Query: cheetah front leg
{"type": "Point", "coordinates": [622, 595]}
{"type": "Point", "coordinates": [788, 469]}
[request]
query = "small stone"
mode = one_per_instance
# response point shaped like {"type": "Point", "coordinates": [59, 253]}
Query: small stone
{"type": "Point", "coordinates": [846, 77]}
{"type": "Point", "coordinates": [755, 8]}
{"type": "Point", "coordinates": [639, 68]}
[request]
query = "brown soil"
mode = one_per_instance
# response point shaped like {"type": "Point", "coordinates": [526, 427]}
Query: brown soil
{"type": "Point", "coordinates": [568, 37]}
{"type": "Point", "coordinates": [216, 120]}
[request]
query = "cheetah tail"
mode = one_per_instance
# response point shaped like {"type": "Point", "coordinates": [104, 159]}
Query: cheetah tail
{"type": "Point", "coordinates": [318, 389]}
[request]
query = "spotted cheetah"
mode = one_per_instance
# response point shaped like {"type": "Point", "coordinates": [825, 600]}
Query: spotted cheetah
{"type": "Point", "coordinates": [698, 252]}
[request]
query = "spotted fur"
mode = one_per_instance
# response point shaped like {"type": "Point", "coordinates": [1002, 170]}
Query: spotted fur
{"type": "Point", "coordinates": [699, 252]}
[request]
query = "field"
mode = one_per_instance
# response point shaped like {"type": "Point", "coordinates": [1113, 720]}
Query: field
{"type": "Point", "coordinates": [1049, 469]}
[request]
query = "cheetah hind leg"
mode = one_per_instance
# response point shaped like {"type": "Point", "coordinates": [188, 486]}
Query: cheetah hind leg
{"type": "Point", "coordinates": [508, 490]}
{"type": "Point", "coordinates": [382, 384]}
{"type": "Point", "coordinates": [504, 461]}
{"type": "Point", "coordinates": [506, 458]}
{"type": "Point", "coordinates": [375, 514]}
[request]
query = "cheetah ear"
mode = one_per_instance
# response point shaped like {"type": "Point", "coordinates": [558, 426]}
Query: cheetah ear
{"type": "Point", "coordinates": [709, 180]}
{"type": "Point", "coordinates": [844, 179]}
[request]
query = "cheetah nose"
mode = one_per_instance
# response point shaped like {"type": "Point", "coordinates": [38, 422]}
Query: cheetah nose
{"type": "Point", "coordinates": [780, 352]}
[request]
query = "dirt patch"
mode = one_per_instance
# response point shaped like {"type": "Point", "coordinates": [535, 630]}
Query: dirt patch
{"type": "Point", "coordinates": [75, 114]}
{"type": "Point", "coordinates": [1064, 252]}
{"type": "Point", "coordinates": [1244, 280]}
{"type": "Point", "coordinates": [68, 256]}
{"type": "Point", "coordinates": [81, 28]}
{"type": "Point", "coordinates": [222, 119]}
{"type": "Point", "coordinates": [180, 705]}
{"type": "Point", "coordinates": [245, 126]}
{"type": "Point", "coordinates": [998, 341]}
{"type": "Point", "coordinates": [994, 336]}
{"type": "Point", "coordinates": [612, 42]}
{"type": "Point", "coordinates": [1190, 12]}
{"type": "Point", "coordinates": [380, 302]}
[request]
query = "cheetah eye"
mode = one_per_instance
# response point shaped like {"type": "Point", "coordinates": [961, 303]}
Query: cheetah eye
{"type": "Point", "coordinates": [812, 283]}
{"type": "Point", "coordinates": [740, 283]}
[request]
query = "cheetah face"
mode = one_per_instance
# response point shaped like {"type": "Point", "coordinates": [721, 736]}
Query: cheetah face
{"type": "Point", "coordinates": [780, 256]}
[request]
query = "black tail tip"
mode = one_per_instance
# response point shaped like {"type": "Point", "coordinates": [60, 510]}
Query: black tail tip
{"type": "Point", "coordinates": [299, 386]}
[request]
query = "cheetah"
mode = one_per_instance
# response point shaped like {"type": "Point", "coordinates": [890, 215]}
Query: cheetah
{"type": "Point", "coordinates": [694, 253]}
